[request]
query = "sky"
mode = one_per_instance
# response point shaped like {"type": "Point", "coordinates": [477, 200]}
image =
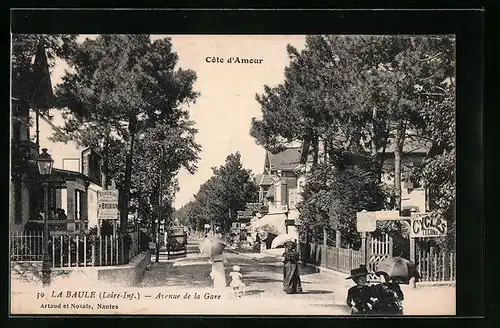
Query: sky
{"type": "Point", "coordinates": [225, 108]}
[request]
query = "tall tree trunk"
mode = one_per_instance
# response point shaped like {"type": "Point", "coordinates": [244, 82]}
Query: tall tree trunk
{"type": "Point", "coordinates": [397, 176]}
{"type": "Point", "coordinates": [380, 166]}
{"type": "Point", "coordinates": [374, 136]}
{"type": "Point", "coordinates": [127, 184]}
{"type": "Point", "coordinates": [105, 165]}
{"type": "Point", "coordinates": [305, 149]}
{"type": "Point", "coordinates": [398, 150]}
{"type": "Point", "coordinates": [354, 145]}
{"type": "Point", "coordinates": [315, 146]}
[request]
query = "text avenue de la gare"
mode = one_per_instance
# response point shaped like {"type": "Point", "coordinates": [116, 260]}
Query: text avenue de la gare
{"type": "Point", "coordinates": [233, 60]}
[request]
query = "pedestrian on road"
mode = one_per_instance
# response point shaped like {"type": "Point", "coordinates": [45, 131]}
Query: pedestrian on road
{"type": "Point", "coordinates": [236, 283]}
{"type": "Point", "coordinates": [291, 277]}
{"type": "Point", "coordinates": [359, 296]}
{"type": "Point", "coordinates": [205, 240]}
{"type": "Point", "coordinates": [218, 273]}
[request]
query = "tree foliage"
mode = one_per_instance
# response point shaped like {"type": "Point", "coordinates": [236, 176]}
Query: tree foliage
{"type": "Point", "coordinates": [31, 56]}
{"type": "Point", "coordinates": [359, 96]}
{"type": "Point", "coordinates": [221, 196]}
{"type": "Point", "coordinates": [126, 96]}
{"type": "Point", "coordinates": [333, 196]}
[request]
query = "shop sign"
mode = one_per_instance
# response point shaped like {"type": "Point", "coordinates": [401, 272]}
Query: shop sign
{"type": "Point", "coordinates": [423, 226]}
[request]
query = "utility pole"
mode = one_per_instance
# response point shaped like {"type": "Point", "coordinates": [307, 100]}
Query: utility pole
{"type": "Point", "coordinates": [160, 202]}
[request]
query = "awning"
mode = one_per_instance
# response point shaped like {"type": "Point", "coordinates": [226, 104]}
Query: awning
{"type": "Point", "coordinates": [270, 192]}
{"type": "Point", "coordinates": [276, 221]}
{"type": "Point", "coordinates": [282, 239]}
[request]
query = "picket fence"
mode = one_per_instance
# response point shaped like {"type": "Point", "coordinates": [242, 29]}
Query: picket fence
{"type": "Point", "coordinates": [70, 250]}
{"type": "Point", "coordinates": [335, 258]}
{"type": "Point", "coordinates": [436, 266]}
{"type": "Point", "coordinates": [431, 265]}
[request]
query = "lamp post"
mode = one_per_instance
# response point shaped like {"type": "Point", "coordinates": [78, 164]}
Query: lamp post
{"type": "Point", "coordinates": [45, 163]}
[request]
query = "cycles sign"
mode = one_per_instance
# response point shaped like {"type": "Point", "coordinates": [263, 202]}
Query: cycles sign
{"type": "Point", "coordinates": [423, 225]}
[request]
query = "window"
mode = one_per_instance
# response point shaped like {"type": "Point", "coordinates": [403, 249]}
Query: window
{"type": "Point", "coordinates": [292, 198]}
{"type": "Point", "coordinates": [78, 204]}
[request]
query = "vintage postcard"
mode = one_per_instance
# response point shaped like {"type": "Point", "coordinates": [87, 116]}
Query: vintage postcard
{"type": "Point", "coordinates": [232, 174]}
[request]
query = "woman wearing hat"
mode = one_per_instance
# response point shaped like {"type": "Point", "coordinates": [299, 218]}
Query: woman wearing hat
{"type": "Point", "coordinates": [359, 296]}
{"type": "Point", "coordinates": [218, 261]}
{"type": "Point", "coordinates": [291, 278]}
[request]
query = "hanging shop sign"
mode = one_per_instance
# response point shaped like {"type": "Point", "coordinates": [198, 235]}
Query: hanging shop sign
{"type": "Point", "coordinates": [423, 226]}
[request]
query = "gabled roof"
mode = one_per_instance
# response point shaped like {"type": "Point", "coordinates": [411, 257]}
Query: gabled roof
{"type": "Point", "coordinates": [288, 159]}
{"type": "Point", "coordinates": [264, 179]}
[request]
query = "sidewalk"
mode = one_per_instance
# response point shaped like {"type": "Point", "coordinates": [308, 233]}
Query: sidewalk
{"type": "Point", "coordinates": [426, 299]}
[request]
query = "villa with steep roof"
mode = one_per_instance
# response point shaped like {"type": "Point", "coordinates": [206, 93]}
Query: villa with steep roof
{"type": "Point", "coordinates": [283, 178]}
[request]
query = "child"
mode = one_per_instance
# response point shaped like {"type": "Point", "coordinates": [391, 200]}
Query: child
{"type": "Point", "coordinates": [359, 296]}
{"type": "Point", "coordinates": [236, 284]}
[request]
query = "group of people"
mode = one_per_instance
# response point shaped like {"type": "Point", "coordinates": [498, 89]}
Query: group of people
{"type": "Point", "coordinates": [218, 272]}
{"type": "Point", "coordinates": [384, 298]}
{"type": "Point", "coordinates": [291, 278]}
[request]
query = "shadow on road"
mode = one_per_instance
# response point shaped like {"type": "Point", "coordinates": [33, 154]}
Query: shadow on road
{"type": "Point", "coordinates": [260, 280]}
{"type": "Point", "coordinates": [317, 292]}
{"type": "Point", "coordinates": [254, 292]}
{"type": "Point", "coordinates": [277, 267]}
{"type": "Point", "coordinates": [166, 274]}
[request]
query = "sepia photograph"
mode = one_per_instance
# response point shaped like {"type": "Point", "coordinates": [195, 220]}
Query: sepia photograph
{"type": "Point", "coordinates": [192, 174]}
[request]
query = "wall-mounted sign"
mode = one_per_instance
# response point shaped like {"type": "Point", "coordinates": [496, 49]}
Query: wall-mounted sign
{"type": "Point", "coordinates": [366, 222]}
{"type": "Point", "coordinates": [387, 215]}
{"type": "Point", "coordinates": [423, 225]}
{"type": "Point", "coordinates": [107, 204]}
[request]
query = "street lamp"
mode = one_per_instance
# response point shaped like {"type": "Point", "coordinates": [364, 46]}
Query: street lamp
{"type": "Point", "coordinates": [45, 163]}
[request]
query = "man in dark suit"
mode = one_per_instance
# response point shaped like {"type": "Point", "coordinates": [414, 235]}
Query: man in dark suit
{"type": "Point", "coordinates": [358, 297]}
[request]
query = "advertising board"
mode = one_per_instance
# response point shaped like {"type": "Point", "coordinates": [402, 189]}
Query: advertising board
{"type": "Point", "coordinates": [423, 225]}
{"type": "Point", "coordinates": [107, 204]}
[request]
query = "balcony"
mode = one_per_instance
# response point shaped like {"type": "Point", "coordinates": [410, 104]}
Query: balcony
{"type": "Point", "coordinates": [274, 209]}
{"type": "Point", "coordinates": [58, 226]}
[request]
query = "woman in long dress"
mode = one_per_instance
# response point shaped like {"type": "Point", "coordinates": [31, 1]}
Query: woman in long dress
{"type": "Point", "coordinates": [291, 278]}
{"type": "Point", "coordinates": [218, 273]}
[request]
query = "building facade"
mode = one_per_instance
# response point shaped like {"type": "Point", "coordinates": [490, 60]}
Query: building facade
{"type": "Point", "coordinates": [72, 195]}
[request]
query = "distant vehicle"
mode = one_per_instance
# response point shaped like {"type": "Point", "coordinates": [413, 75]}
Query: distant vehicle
{"type": "Point", "coordinates": [176, 240]}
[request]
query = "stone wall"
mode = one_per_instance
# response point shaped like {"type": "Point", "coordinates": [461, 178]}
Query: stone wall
{"type": "Point", "coordinates": [123, 275]}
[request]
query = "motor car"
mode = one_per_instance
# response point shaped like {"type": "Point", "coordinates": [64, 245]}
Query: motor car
{"type": "Point", "coordinates": [176, 240]}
